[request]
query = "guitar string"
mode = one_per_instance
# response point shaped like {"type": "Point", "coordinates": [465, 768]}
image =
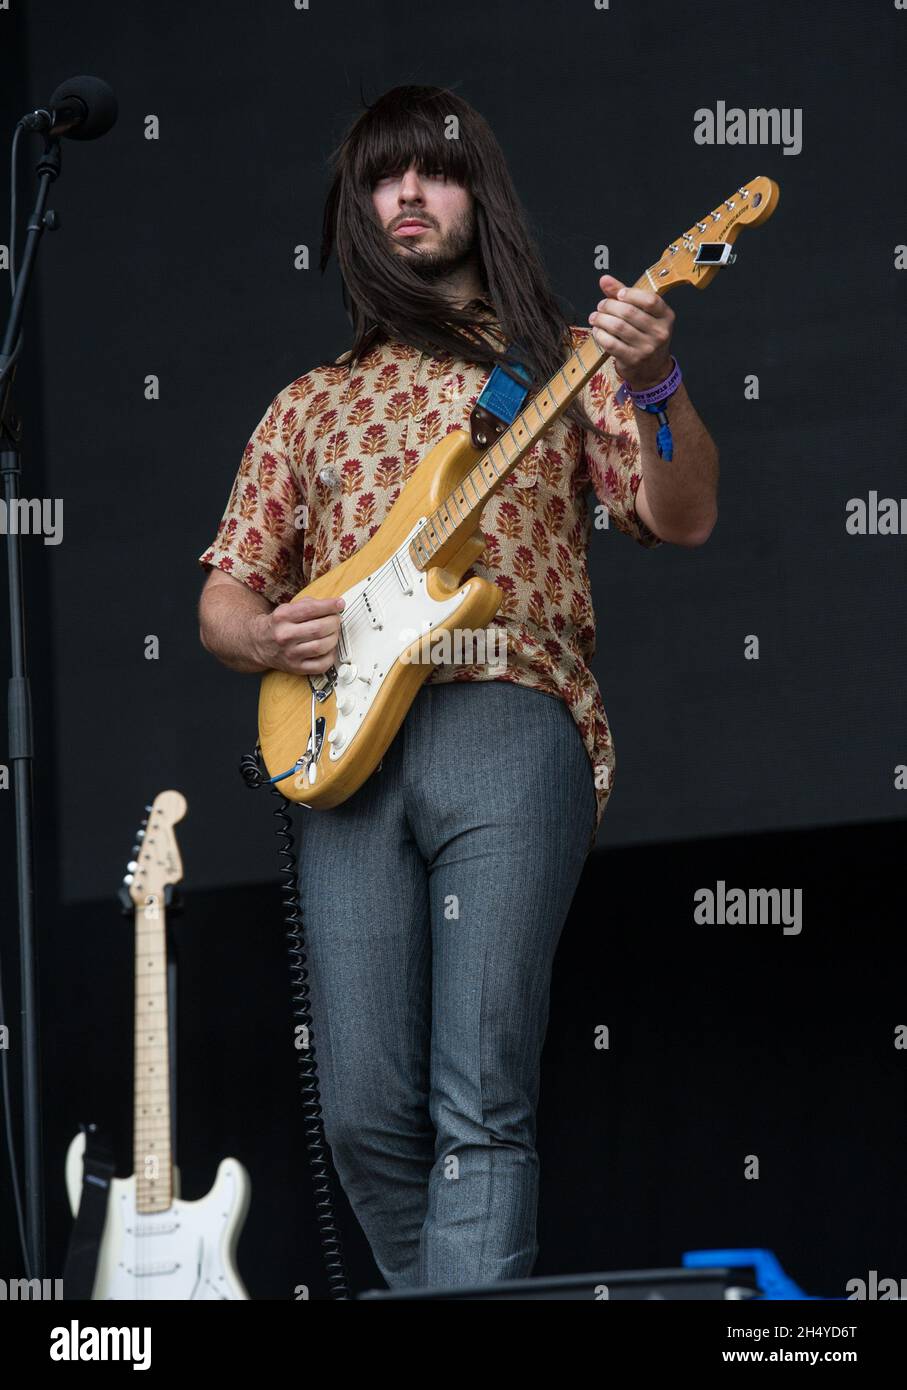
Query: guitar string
{"type": "Point", "coordinates": [383, 577]}
{"type": "Point", "coordinates": [359, 602]}
{"type": "Point", "coordinates": [356, 620]}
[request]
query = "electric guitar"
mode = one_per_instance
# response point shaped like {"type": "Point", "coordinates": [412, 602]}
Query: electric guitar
{"type": "Point", "coordinates": [154, 1244]}
{"type": "Point", "coordinates": [322, 736]}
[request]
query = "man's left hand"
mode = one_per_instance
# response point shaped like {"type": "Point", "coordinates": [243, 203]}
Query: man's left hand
{"type": "Point", "coordinates": [635, 327]}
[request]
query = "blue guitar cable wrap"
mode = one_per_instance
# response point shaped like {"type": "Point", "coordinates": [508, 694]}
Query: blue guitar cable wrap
{"type": "Point", "coordinates": [663, 439]}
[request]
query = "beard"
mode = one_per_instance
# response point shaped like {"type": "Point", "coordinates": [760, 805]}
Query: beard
{"type": "Point", "coordinates": [454, 249]}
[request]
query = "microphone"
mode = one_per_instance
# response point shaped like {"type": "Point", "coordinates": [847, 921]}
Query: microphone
{"type": "Point", "coordinates": [82, 108]}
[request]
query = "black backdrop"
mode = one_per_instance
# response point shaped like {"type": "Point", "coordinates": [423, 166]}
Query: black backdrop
{"type": "Point", "coordinates": [176, 260]}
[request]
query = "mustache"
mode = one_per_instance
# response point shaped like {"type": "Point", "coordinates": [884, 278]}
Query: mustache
{"type": "Point", "coordinates": [411, 217]}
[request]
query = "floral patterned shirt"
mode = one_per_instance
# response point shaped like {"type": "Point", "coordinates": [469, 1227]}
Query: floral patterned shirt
{"type": "Point", "coordinates": [331, 453]}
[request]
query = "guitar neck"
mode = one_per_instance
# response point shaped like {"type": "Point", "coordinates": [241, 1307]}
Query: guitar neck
{"type": "Point", "coordinates": [461, 508]}
{"type": "Point", "coordinates": [153, 1160]}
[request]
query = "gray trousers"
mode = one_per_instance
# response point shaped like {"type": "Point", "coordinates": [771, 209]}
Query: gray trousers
{"type": "Point", "coordinates": [433, 900]}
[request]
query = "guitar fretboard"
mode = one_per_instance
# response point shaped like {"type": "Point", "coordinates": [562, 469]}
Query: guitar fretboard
{"type": "Point", "coordinates": [470, 495]}
{"type": "Point", "coordinates": [153, 1160]}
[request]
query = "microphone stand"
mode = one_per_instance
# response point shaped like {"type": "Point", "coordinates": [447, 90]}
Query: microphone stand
{"type": "Point", "coordinates": [21, 752]}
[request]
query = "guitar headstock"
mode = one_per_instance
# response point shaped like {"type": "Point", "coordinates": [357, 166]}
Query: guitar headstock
{"type": "Point", "coordinates": [156, 861]}
{"type": "Point", "coordinates": [695, 257]}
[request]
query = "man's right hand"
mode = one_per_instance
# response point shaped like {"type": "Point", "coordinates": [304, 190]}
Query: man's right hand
{"type": "Point", "coordinates": [299, 637]}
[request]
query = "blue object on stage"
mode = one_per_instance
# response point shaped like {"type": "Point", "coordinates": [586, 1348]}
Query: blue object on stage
{"type": "Point", "coordinates": [771, 1278]}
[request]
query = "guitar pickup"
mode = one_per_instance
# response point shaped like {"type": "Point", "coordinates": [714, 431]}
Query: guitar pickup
{"type": "Point", "coordinates": [401, 574]}
{"type": "Point", "coordinates": [373, 608]}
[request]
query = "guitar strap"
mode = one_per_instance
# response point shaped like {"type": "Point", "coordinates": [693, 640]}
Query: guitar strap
{"type": "Point", "coordinates": [499, 403]}
{"type": "Point", "coordinates": [81, 1264]}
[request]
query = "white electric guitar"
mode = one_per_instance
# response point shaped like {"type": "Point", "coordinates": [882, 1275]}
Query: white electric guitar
{"type": "Point", "coordinates": [154, 1244]}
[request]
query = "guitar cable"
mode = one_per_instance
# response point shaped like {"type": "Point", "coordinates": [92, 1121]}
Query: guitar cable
{"type": "Point", "coordinates": [251, 770]}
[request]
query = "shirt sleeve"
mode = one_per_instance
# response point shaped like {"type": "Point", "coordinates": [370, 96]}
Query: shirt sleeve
{"type": "Point", "coordinates": [612, 466]}
{"type": "Point", "coordinates": [260, 538]}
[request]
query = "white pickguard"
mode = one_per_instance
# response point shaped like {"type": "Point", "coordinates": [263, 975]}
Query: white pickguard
{"type": "Point", "coordinates": [383, 615]}
{"type": "Point", "coordinates": [184, 1254]}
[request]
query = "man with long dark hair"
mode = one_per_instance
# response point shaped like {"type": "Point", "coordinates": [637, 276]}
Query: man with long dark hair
{"type": "Point", "coordinates": [434, 897]}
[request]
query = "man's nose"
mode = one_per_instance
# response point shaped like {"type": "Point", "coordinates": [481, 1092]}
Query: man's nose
{"type": "Point", "coordinates": [411, 186]}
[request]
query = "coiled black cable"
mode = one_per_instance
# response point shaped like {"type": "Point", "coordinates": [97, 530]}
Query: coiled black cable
{"type": "Point", "coordinates": [316, 1143]}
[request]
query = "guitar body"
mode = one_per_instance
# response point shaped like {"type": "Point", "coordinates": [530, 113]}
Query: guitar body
{"type": "Point", "coordinates": [184, 1254]}
{"type": "Point", "coordinates": [378, 622]}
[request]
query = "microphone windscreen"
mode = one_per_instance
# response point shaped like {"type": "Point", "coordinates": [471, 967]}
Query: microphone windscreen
{"type": "Point", "coordinates": [99, 100]}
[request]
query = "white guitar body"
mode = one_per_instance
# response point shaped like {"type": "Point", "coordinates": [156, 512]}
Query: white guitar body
{"type": "Point", "coordinates": [184, 1254]}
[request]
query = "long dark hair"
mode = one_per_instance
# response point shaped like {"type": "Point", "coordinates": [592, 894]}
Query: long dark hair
{"type": "Point", "coordinates": [384, 297]}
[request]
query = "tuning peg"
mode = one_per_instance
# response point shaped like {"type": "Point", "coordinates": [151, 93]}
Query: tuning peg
{"type": "Point", "coordinates": [132, 866]}
{"type": "Point", "coordinates": [127, 878]}
{"type": "Point", "coordinates": [141, 833]}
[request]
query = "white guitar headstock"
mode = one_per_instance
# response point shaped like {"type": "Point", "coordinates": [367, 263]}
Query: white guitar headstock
{"type": "Point", "coordinates": [156, 861]}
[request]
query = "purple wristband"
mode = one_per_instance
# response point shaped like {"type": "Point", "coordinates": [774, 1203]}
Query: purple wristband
{"type": "Point", "coordinates": [654, 395]}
